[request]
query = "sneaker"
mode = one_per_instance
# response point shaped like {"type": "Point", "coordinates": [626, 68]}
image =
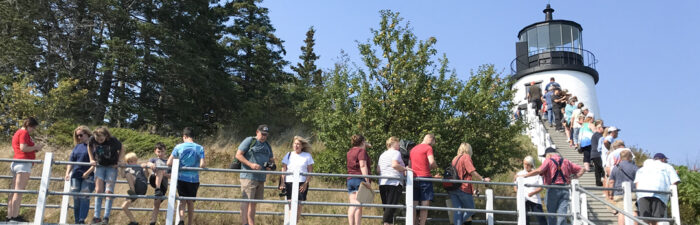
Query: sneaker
{"type": "Point", "coordinates": [133, 223]}
{"type": "Point", "coordinates": [105, 220]}
{"type": "Point", "coordinates": [152, 223]}
{"type": "Point", "coordinates": [181, 222]}
{"type": "Point", "coordinates": [18, 219]}
{"type": "Point", "coordinates": [467, 223]}
{"type": "Point", "coordinates": [96, 220]}
{"type": "Point", "coordinates": [159, 192]}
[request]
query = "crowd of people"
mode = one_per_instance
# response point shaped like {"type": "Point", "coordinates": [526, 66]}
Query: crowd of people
{"type": "Point", "coordinates": [612, 164]}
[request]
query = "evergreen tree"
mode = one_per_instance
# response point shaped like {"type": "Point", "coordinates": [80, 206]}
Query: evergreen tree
{"type": "Point", "coordinates": [255, 63]}
{"type": "Point", "coordinates": [308, 73]}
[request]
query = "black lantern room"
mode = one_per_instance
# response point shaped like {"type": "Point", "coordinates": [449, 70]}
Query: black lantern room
{"type": "Point", "coordinates": [552, 45]}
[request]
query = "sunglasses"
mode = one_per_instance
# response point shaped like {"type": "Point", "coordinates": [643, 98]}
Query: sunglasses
{"type": "Point", "coordinates": [79, 135]}
{"type": "Point", "coordinates": [263, 134]}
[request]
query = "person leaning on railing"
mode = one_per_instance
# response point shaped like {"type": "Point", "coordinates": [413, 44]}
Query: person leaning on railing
{"type": "Point", "coordinates": [556, 170]}
{"type": "Point", "coordinates": [358, 162]}
{"type": "Point", "coordinates": [390, 164]}
{"type": "Point", "coordinates": [24, 148]}
{"type": "Point", "coordinates": [190, 154]}
{"type": "Point", "coordinates": [254, 153]}
{"type": "Point", "coordinates": [463, 196]}
{"type": "Point", "coordinates": [106, 153]}
{"type": "Point", "coordinates": [81, 177]}
{"type": "Point", "coordinates": [533, 202]}
{"type": "Point", "coordinates": [655, 175]}
{"type": "Point", "coordinates": [297, 160]}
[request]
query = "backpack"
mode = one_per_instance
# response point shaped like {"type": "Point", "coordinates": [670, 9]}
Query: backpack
{"type": "Point", "coordinates": [452, 174]}
{"type": "Point", "coordinates": [106, 154]}
{"type": "Point", "coordinates": [236, 165]}
{"type": "Point", "coordinates": [405, 147]}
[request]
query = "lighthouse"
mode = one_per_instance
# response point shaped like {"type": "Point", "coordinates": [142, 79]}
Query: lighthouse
{"type": "Point", "coordinates": [554, 49]}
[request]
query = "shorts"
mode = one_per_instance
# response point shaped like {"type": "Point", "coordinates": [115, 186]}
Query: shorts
{"type": "Point", "coordinates": [586, 154]}
{"type": "Point", "coordinates": [302, 195]}
{"type": "Point", "coordinates": [252, 189]}
{"type": "Point", "coordinates": [108, 174]}
{"type": "Point", "coordinates": [354, 184]}
{"type": "Point", "coordinates": [21, 167]}
{"type": "Point", "coordinates": [140, 189]}
{"type": "Point", "coordinates": [619, 201]}
{"type": "Point", "coordinates": [187, 189]}
{"type": "Point", "coordinates": [423, 191]}
{"type": "Point", "coordinates": [651, 207]}
{"type": "Point", "coordinates": [163, 183]}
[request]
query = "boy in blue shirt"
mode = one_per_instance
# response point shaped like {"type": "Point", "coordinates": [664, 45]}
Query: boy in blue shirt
{"type": "Point", "coordinates": [191, 155]}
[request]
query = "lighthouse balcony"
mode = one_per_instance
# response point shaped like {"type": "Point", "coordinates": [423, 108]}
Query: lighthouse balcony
{"type": "Point", "coordinates": [559, 58]}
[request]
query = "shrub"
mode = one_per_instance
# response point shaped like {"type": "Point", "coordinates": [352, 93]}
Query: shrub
{"type": "Point", "coordinates": [689, 195]}
{"type": "Point", "coordinates": [142, 143]}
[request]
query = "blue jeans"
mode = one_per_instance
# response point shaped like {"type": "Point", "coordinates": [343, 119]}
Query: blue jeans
{"type": "Point", "coordinates": [109, 175]}
{"type": "Point", "coordinates": [461, 200]}
{"type": "Point", "coordinates": [557, 202]}
{"type": "Point", "coordinates": [81, 204]}
{"type": "Point", "coordinates": [550, 116]}
{"type": "Point", "coordinates": [534, 207]}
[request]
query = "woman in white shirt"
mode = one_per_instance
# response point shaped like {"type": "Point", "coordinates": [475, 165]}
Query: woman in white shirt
{"type": "Point", "coordinates": [391, 165]}
{"type": "Point", "coordinates": [533, 202]}
{"type": "Point", "coordinates": [298, 160]}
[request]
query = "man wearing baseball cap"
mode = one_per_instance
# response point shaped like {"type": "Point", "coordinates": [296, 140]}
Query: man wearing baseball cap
{"type": "Point", "coordinates": [555, 170]}
{"type": "Point", "coordinates": [254, 153]}
{"type": "Point", "coordinates": [657, 176]}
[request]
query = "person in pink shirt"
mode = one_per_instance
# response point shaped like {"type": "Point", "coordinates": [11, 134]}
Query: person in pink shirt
{"type": "Point", "coordinates": [555, 170]}
{"type": "Point", "coordinates": [422, 161]}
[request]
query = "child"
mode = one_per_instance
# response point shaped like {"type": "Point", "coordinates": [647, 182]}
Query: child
{"type": "Point", "coordinates": [158, 178]}
{"type": "Point", "coordinates": [137, 183]}
{"type": "Point", "coordinates": [191, 155]}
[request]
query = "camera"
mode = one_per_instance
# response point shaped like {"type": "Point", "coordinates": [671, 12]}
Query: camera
{"type": "Point", "coordinates": [283, 192]}
{"type": "Point", "coordinates": [270, 165]}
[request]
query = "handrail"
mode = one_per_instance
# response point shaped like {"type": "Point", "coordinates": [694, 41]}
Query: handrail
{"type": "Point", "coordinates": [588, 59]}
{"type": "Point", "coordinates": [627, 214]}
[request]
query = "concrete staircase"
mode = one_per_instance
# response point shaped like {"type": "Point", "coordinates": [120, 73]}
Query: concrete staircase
{"type": "Point", "coordinates": [598, 213]}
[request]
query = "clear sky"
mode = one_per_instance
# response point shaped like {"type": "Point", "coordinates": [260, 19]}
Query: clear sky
{"type": "Point", "coordinates": [648, 51]}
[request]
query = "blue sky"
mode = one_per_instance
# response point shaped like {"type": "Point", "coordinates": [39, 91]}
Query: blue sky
{"type": "Point", "coordinates": [648, 51]}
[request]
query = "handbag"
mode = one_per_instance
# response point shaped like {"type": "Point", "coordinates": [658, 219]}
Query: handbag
{"type": "Point", "coordinates": [365, 194]}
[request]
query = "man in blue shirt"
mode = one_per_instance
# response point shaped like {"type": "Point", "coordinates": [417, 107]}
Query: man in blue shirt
{"type": "Point", "coordinates": [552, 84]}
{"type": "Point", "coordinates": [191, 155]}
{"type": "Point", "coordinates": [548, 97]}
{"type": "Point", "coordinates": [254, 153]}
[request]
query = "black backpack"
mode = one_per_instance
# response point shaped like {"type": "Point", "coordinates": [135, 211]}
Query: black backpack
{"type": "Point", "coordinates": [107, 154]}
{"type": "Point", "coordinates": [451, 173]}
{"type": "Point", "coordinates": [405, 147]}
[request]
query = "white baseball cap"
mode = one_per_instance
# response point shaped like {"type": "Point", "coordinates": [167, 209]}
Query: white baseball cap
{"type": "Point", "coordinates": [613, 128]}
{"type": "Point", "coordinates": [590, 114]}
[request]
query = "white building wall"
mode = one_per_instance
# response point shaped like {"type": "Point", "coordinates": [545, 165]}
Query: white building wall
{"type": "Point", "coordinates": [578, 83]}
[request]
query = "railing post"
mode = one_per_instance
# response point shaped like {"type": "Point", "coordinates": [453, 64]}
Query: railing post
{"type": "Point", "coordinates": [409, 198]}
{"type": "Point", "coordinates": [675, 211]}
{"type": "Point", "coordinates": [489, 206]}
{"type": "Point", "coordinates": [43, 189]}
{"type": "Point", "coordinates": [584, 207]}
{"type": "Point", "coordinates": [295, 198]}
{"type": "Point", "coordinates": [627, 201]}
{"type": "Point", "coordinates": [175, 170]}
{"type": "Point", "coordinates": [575, 206]}
{"type": "Point", "coordinates": [520, 201]}
{"type": "Point", "coordinates": [64, 202]}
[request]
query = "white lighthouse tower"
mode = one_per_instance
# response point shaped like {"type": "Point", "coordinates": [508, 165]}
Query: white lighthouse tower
{"type": "Point", "coordinates": [554, 49]}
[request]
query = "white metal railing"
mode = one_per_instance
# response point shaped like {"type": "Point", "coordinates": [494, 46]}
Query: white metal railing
{"type": "Point", "coordinates": [578, 208]}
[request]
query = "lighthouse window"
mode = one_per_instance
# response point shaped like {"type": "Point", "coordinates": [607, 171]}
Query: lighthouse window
{"type": "Point", "coordinates": [577, 39]}
{"type": "Point", "coordinates": [542, 38]}
{"type": "Point", "coordinates": [532, 41]}
{"type": "Point", "coordinates": [555, 37]}
{"type": "Point", "coordinates": [566, 37]}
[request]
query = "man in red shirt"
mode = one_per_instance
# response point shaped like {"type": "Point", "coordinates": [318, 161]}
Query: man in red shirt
{"type": "Point", "coordinates": [556, 170]}
{"type": "Point", "coordinates": [422, 161]}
